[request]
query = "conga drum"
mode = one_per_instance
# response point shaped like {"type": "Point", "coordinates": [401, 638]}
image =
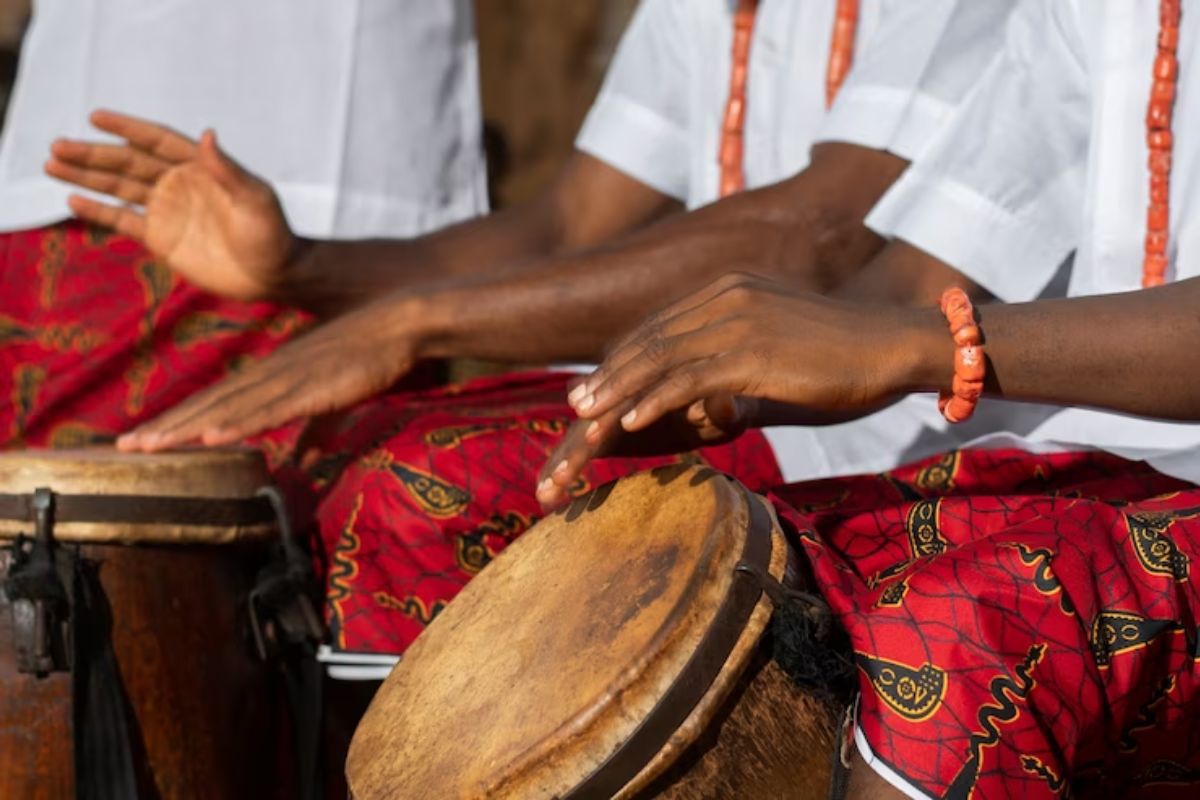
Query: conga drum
{"type": "Point", "coordinates": [618, 649]}
{"type": "Point", "coordinates": [126, 666]}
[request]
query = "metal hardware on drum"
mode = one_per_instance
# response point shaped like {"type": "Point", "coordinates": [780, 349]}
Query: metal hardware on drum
{"type": "Point", "coordinates": [37, 594]}
{"type": "Point", "coordinates": [281, 606]}
{"type": "Point", "coordinates": [128, 667]}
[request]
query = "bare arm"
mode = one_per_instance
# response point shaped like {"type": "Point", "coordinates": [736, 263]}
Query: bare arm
{"type": "Point", "coordinates": [1134, 352]}
{"type": "Point", "coordinates": [749, 338]}
{"type": "Point", "coordinates": [806, 231]}
{"type": "Point", "coordinates": [588, 203]}
{"type": "Point", "coordinates": [222, 228]}
{"type": "Point", "coordinates": [903, 275]}
{"type": "Point", "coordinates": [1127, 352]}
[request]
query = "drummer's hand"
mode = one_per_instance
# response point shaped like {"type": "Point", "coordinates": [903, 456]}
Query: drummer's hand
{"type": "Point", "coordinates": [747, 337]}
{"type": "Point", "coordinates": [704, 423]}
{"type": "Point", "coordinates": [211, 221]}
{"type": "Point", "coordinates": [329, 369]}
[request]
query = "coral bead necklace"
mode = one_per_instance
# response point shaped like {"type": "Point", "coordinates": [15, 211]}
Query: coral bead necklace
{"type": "Point", "coordinates": [1161, 142]}
{"type": "Point", "coordinates": [841, 57]}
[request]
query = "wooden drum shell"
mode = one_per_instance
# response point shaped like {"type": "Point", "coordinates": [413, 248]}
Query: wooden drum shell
{"type": "Point", "coordinates": [541, 676]}
{"type": "Point", "coordinates": [206, 720]}
{"type": "Point", "coordinates": [768, 740]}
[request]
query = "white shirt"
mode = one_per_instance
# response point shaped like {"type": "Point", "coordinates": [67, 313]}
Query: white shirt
{"type": "Point", "coordinates": [1049, 156]}
{"type": "Point", "coordinates": [658, 118]}
{"type": "Point", "coordinates": [364, 114]}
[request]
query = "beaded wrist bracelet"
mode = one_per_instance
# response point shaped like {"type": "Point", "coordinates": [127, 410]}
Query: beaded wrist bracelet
{"type": "Point", "coordinates": [958, 404]}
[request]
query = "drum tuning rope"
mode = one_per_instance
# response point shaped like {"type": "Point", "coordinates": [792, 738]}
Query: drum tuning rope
{"type": "Point", "coordinates": [808, 643]}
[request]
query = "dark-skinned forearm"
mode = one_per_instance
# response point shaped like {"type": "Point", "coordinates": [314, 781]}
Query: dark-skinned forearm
{"type": "Point", "coordinates": [588, 202]}
{"type": "Point", "coordinates": [903, 275]}
{"type": "Point", "coordinates": [571, 308]}
{"type": "Point", "coordinates": [806, 231]}
{"type": "Point", "coordinates": [330, 277]}
{"type": "Point", "coordinates": [1134, 352]}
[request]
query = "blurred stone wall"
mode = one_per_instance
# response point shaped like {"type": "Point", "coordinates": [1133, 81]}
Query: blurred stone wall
{"type": "Point", "coordinates": [541, 63]}
{"type": "Point", "coordinates": [13, 15]}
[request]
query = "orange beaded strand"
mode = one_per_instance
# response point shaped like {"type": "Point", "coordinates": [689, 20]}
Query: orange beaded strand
{"type": "Point", "coordinates": [841, 52]}
{"type": "Point", "coordinates": [970, 362]}
{"type": "Point", "coordinates": [733, 178]}
{"type": "Point", "coordinates": [841, 58]}
{"type": "Point", "coordinates": [1161, 143]}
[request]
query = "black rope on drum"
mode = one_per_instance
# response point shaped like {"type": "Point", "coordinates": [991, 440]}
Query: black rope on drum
{"type": "Point", "coordinates": [807, 641]}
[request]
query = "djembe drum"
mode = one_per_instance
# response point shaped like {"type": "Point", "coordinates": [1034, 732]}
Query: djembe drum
{"type": "Point", "coordinates": [618, 649]}
{"type": "Point", "coordinates": [126, 669]}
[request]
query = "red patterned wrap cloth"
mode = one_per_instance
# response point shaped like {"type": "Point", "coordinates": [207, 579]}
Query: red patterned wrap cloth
{"type": "Point", "coordinates": [432, 485]}
{"type": "Point", "coordinates": [96, 336]}
{"type": "Point", "coordinates": [1023, 625]}
{"type": "Point", "coordinates": [413, 492]}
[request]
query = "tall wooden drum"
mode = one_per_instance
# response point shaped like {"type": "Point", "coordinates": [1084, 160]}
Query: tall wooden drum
{"type": "Point", "coordinates": [126, 669]}
{"type": "Point", "coordinates": [615, 650]}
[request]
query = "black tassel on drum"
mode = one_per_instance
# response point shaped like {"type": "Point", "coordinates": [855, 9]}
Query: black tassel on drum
{"type": "Point", "coordinates": [101, 717]}
{"type": "Point", "coordinates": [810, 646]}
{"type": "Point", "coordinates": [807, 642]}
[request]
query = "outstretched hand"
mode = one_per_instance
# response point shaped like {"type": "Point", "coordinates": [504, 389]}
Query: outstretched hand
{"type": "Point", "coordinates": [747, 338]}
{"type": "Point", "coordinates": [215, 224]}
{"type": "Point", "coordinates": [329, 369]}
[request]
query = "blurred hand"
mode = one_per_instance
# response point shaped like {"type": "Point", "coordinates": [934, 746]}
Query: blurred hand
{"type": "Point", "coordinates": [705, 423]}
{"type": "Point", "coordinates": [216, 225]}
{"type": "Point", "coordinates": [332, 368]}
{"type": "Point", "coordinates": [747, 338]}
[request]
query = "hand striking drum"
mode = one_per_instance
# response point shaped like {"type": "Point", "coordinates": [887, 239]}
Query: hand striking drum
{"type": "Point", "coordinates": [621, 648]}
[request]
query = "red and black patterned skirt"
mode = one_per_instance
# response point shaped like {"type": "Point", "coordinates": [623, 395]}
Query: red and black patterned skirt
{"type": "Point", "coordinates": [413, 492]}
{"type": "Point", "coordinates": [1023, 624]}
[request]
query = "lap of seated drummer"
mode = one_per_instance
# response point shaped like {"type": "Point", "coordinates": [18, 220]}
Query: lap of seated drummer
{"type": "Point", "coordinates": [1023, 610]}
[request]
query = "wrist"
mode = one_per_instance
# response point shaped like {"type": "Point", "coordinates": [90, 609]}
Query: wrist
{"type": "Point", "coordinates": [922, 355]}
{"type": "Point", "coordinates": [295, 277]}
{"type": "Point", "coordinates": [424, 325]}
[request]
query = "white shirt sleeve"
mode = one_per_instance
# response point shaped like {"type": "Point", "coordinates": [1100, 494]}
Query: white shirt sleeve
{"type": "Point", "coordinates": [639, 122]}
{"type": "Point", "coordinates": [913, 70]}
{"type": "Point", "coordinates": [998, 194]}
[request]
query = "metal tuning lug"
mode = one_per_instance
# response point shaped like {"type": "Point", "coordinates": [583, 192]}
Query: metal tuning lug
{"type": "Point", "coordinates": [38, 599]}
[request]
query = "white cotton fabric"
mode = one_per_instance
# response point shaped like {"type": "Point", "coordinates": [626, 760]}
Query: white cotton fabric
{"type": "Point", "coordinates": [911, 75]}
{"type": "Point", "coordinates": [658, 118]}
{"type": "Point", "coordinates": [1049, 157]}
{"type": "Point", "coordinates": [364, 114]}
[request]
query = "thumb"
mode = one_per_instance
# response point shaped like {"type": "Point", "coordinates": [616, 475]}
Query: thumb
{"type": "Point", "coordinates": [725, 412]}
{"type": "Point", "coordinates": [227, 172]}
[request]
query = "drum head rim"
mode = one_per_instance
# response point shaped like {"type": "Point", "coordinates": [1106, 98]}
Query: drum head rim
{"type": "Point", "coordinates": [692, 687]}
{"type": "Point", "coordinates": [549, 750]}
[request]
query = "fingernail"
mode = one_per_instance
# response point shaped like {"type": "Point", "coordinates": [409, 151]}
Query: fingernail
{"type": "Point", "coordinates": [587, 402]}
{"type": "Point", "coordinates": [561, 468]}
{"type": "Point", "coordinates": [577, 394]}
{"type": "Point", "coordinates": [592, 432]}
{"type": "Point", "coordinates": [545, 486]}
{"type": "Point", "coordinates": [629, 418]}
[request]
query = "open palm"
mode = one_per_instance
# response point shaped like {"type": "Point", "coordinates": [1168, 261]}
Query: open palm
{"type": "Point", "coordinates": [215, 224]}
